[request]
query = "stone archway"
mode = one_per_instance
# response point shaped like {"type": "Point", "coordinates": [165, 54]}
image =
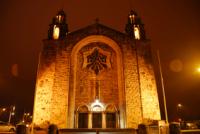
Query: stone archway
{"type": "Point", "coordinates": [81, 117]}
{"type": "Point", "coordinates": [120, 81]}
{"type": "Point", "coordinates": [111, 116]}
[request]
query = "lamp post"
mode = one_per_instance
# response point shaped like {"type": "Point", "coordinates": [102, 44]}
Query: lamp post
{"type": "Point", "coordinates": [26, 117]}
{"type": "Point", "coordinates": [2, 110]}
{"type": "Point", "coordinates": [163, 87]}
{"type": "Point", "coordinates": [12, 113]}
{"type": "Point", "coordinates": [178, 110]}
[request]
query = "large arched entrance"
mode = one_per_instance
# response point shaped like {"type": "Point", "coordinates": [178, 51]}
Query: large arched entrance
{"type": "Point", "coordinates": [97, 74]}
{"type": "Point", "coordinates": [97, 115]}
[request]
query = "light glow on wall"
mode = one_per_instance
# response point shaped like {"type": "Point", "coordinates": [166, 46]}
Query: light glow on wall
{"type": "Point", "coordinates": [59, 17]}
{"type": "Point", "coordinates": [56, 32]}
{"type": "Point", "coordinates": [136, 32]}
{"type": "Point", "coordinates": [132, 17]}
{"type": "Point", "coordinates": [97, 106]}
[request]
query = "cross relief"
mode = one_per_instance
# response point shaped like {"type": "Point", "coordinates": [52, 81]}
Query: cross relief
{"type": "Point", "coordinates": [96, 60]}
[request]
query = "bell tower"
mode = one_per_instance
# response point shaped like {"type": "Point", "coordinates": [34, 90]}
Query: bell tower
{"type": "Point", "coordinates": [58, 29]}
{"type": "Point", "coordinates": [147, 90]}
{"type": "Point", "coordinates": [134, 27]}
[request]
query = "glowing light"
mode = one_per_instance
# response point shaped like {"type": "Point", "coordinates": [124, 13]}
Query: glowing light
{"type": "Point", "coordinates": [4, 109]}
{"type": "Point", "coordinates": [136, 33]}
{"type": "Point", "coordinates": [179, 105]}
{"type": "Point", "coordinates": [198, 69]}
{"type": "Point", "coordinates": [59, 17]}
{"type": "Point", "coordinates": [132, 17]}
{"type": "Point", "coordinates": [56, 32]}
{"type": "Point", "coordinates": [97, 106]}
{"type": "Point", "coordinates": [13, 108]}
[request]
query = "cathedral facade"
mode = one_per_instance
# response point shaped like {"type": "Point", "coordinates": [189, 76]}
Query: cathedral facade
{"type": "Point", "coordinates": [95, 77]}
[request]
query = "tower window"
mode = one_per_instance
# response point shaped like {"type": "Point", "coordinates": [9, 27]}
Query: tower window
{"type": "Point", "coordinates": [136, 32]}
{"type": "Point", "coordinates": [132, 17]}
{"type": "Point", "coordinates": [56, 32]}
{"type": "Point", "coordinates": [59, 17]}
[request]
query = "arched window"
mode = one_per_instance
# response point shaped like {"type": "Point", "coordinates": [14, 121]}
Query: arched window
{"type": "Point", "coordinates": [97, 108]}
{"type": "Point", "coordinates": [111, 117]}
{"type": "Point", "coordinates": [56, 32]}
{"type": "Point", "coordinates": [83, 117]}
{"type": "Point", "coordinates": [137, 32]}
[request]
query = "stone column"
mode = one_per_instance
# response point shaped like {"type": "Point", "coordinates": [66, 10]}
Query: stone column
{"type": "Point", "coordinates": [76, 119]}
{"type": "Point", "coordinates": [103, 119]}
{"type": "Point", "coordinates": [117, 119]}
{"type": "Point", "coordinates": [90, 120]}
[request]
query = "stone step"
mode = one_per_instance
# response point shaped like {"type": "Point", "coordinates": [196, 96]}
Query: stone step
{"type": "Point", "coordinates": [97, 131]}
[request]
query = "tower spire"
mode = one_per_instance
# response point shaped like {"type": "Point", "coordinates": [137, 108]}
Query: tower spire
{"type": "Point", "coordinates": [58, 28]}
{"type": "Point", "coordinates": [134, 27]}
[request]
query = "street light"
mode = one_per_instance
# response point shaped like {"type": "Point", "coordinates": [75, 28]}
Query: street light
{"type": "Point", "coordinates": [198, 69]}
{"type": "Point", "coordinates": [12, 113]}
{"type": "Point", "coordinates": [26, 117]}
{"type": "Point", "coordinates": [3, 109]}
{"type": "Point", "coordinates": [163, 87]}
{"type": "Point", "coordinates": [179, 105]}
{"type": "Point", "coordinates": [178, 109]}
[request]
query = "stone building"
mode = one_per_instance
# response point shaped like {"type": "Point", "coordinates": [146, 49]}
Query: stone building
{"type": "Point", "coordinates": [95, 77]}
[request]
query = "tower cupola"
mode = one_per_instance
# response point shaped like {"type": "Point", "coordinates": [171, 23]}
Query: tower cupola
{"type": "Point", "coordinates": [134, 27]}
{"type": "Point", "coordinates": [58, 28]}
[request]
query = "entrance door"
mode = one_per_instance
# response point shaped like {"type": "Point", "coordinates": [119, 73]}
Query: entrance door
{"type": "Point", "coordinates": [110, 120]}
{"type": "Point", "coordinates": [83, 120]}
{"type": "Point", "coordinates": [97, 120]}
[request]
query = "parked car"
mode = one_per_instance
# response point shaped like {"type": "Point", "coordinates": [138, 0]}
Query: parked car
{"type": "Point", "coordinates": [6, 127]}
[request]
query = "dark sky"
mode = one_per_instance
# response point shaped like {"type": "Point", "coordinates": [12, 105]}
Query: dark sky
{"type": "Point", "coordinates": [172, 25]}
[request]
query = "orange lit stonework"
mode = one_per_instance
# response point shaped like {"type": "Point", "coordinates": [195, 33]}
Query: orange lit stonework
{"type": "Point", "coordinates": [95, 72]}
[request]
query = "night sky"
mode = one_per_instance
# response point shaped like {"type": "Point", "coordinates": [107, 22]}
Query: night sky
{"type": "Point", "coordinates": [172, 25]}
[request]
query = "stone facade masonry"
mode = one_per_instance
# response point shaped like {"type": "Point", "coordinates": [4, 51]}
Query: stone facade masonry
{"type": "Point", "coordinates": [63, 84]}
{"type": "Point", "coordinates": [132, 91]}
{"type": "Point", "coordinates": [150, 103]}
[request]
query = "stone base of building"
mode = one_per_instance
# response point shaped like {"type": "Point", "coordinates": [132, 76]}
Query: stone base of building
{"type": "Point", "coordinates": [142, 129]}
{"type": "Point", "coordinates": [97, 131]}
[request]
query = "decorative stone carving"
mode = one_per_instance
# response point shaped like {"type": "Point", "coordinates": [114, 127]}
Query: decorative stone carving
{"type": "Point", "coordinates": [96, 60]}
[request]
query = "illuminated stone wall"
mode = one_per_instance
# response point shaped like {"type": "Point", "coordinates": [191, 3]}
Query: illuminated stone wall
{"type": "Point", "coordinates": [142, 104]}
{"type": "Point", "coordinates": [60, 90]}
{"type": "Point", "coordinates": [52, 85]}
{"type": "Point", "coordinates": [87, 80]}
{"type": "Point", "coordinates": [44, 84]}
{"type": "Point", "coordinates": [63, 83]}
{"type": "Point", "coordinates": [132, 91]}
{"type": "Point", "coordinates": [150, 102]}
